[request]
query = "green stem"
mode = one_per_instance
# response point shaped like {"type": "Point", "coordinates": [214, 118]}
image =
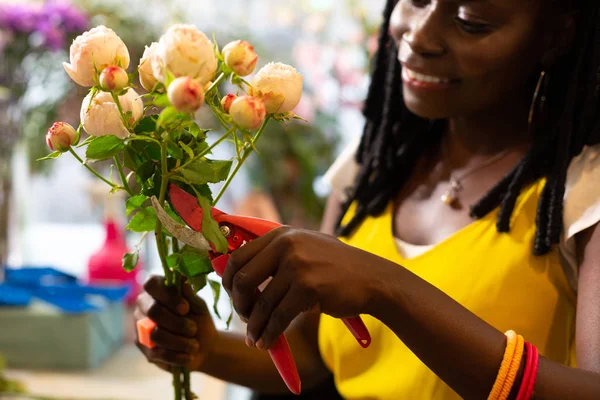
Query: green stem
{"type": "Point", "coordinates": [122, 175]}
{"type": "Point", "coordinates": [118, 103]}
{"type": "Point", "coordinates": [92, 170]}
{"type": "Point", "coordinates": [215, 83]}
{"type": "Point", "coordinates": [177, 383]}
{"type": "Point", "coordinates": [247, 153]}
{"type": "Point", "coordinates": [187, 385]}
{"type": "Point", "coordinates": [203, 153]}
{"type": "Point", "coordinates": [217, 114]}
{"type": "Point", "coordinates": [158, 231]}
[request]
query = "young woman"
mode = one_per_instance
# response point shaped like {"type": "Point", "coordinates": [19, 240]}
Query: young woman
{"type": "Point", "coordinates": [473, 211]}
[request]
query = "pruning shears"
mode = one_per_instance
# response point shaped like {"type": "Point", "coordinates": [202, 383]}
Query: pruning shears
{"type": "Point", "coordinates": [238, 230]}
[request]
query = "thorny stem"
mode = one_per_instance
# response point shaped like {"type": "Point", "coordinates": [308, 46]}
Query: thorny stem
{"type": "Point", "coordinates": [92, 170]}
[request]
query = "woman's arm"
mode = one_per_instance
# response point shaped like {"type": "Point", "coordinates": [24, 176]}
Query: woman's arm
{"type": "Point", "coordinates": [312, 271]}
{"type": "Point", "coordinates": [588, 299]}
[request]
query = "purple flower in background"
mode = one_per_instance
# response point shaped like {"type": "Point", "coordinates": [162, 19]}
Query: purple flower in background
{"type": "Point", "coordinates": [21, 18]}
{"type": "Point", "coordinates": [66, 15]}
{"type": "Point", "coordinates": [54, 37]}
{"type": "Point", "coordinates": [53, 20]}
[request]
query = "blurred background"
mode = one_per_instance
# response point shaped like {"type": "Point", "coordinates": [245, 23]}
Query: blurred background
{"type": "Point", "coordinates": [54, 217]}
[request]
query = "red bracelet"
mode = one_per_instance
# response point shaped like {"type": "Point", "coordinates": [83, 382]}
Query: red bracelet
{"type": "Point", "coordinates": [527, 372]}
{"type": "Point", "coordinates": [533, 376]}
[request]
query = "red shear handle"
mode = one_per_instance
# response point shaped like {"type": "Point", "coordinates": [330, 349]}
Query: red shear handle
{"type": "Point", "coordinates": [281, 355]}
{"type": "Point", "coordinates": [359, 330]}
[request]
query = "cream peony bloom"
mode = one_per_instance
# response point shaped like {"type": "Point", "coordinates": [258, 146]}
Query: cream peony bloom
{"type": "Point", "coordinates": [279, 85]}
{"type": "Point", "coordinates": [185, 51]}
{"type": "Point", "coordinates": [147, 78]}
{"type": "Point", "coordinates": [100, 115]}
{"type": "Point", "coordinates": [100, 46]}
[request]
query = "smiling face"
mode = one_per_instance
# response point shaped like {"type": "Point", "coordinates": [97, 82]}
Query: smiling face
{"type": "Point", "coordinates": [460, 57]}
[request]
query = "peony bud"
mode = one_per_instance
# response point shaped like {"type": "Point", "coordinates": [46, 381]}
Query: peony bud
{"type": "Point", "coordinates": [93, 51]}
{"type": "Point", "coordinates": [279, 85]}
{"type": "Point", "coordinates": [185, 51]}
{"type": "Point", "coordinates": [61, 136]}
{"type": "Point", "coordinates": [240, 57]}
{"type": "Point", "coordinates": [226, 102]}
{"type": "Point", "coordinates": [100, 115]}
{"type": "Point", "coordinates": [185, 94]}
{"type": "Point", "coordinates": [248, 112]}
{"type": "Point", "coordinates": [114, 79]}
{"type": "Point", "coordinates": [147, 78]}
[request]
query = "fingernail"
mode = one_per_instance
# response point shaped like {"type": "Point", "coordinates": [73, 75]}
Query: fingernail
{"type": "Point", "coordinates": [183, 307]}
{"type": "Point", "coordinates": [191, 327]}
{"type": "Point", "coordinates": [244, 320]}
{"type": "Point", "coordinates": [249, 342]}
{"type": "Point", "coordinates": [260, 344]}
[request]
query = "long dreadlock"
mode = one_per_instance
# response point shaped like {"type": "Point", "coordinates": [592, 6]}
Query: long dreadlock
{"type": "Point", "coordinates": [565, 120]}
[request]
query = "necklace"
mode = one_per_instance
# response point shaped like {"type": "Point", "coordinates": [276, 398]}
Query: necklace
{"type": "Point", "coordinates": [450, 196]}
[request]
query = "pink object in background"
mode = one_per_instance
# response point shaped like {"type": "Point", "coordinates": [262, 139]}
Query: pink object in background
{"type": "Point", "coordinates": [105, 265]}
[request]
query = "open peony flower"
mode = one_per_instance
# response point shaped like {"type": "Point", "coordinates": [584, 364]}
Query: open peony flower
{"type": "Point", "coordinates": [279, 85]}
{"type": "Point", "coordinates": [240, 57]}
{"type": "Point", "coordinates": [147, 78]}
{"type": "Point", "coordinates": [100, 46]}
{"type": "Point", "coordinates": [100, 115]}
{"type": "Point", "coordinates": [185, 51]}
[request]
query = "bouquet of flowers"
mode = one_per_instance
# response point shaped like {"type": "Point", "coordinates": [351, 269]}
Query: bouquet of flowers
{"type": "Point", "coordinates": [154, 139]}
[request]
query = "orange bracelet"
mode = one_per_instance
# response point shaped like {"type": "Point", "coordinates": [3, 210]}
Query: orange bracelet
{"type": "Point", "coordinates": [514, 369]}
{"type": "Point", "coordinates": [509, 352]}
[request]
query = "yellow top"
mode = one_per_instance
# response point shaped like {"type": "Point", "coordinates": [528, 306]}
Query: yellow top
{"type": "Point", "coordinates": [494, 275]}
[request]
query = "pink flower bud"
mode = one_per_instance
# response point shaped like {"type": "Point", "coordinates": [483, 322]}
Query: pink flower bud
{"type": "Point", "coordinates": [185, 94]}
{"type": "Point", "coordinates": [248, 112]}
{"type": "Point", "coordinates": [113, 79]}
{"type": "Point", "coordinates": [240, 57]}
{"type": "Point", "coordinates": [61, 136]}
{"type": "Point", "coordinates": [227, 100]}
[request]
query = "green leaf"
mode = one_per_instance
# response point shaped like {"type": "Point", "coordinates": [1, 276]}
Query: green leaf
{"type": "Point", "coordinates": [51, 156]}
{"type": "Point", "coordinates": [194, 262]}
{"type": "Point", "coordinates": [210, 227]}
{"type": "Point", "coordinates": [146, 170]}
{"type": "Point", "coordinates": [197, 132]}
{"type": "Point", "coordinates": [201, 147]}
{"type": "Point", "coordinates": [104, 147]}
{"type": "Point", "coordinates": [161, 101]}
{"type": "Point", "coordinates": [143, 221]}
{"type": "Point", "coordinates": [216, 289]}
{"type": "Point", "coordinates": [134, 203]}
{"type": "Point", "coordinates": [230, 314]}
{"type": "Point", "coordinates": [146, 124]}
{"type": "Point", "coordinates": [87, 141]}
{"type": "Point", "coordinates": [130, 260]}
{"type": "Point", "coordinates": [199, 172]}
{"type": "Point", "coordinates": [197, 282]}
{"type": "Point", "coordinates": [147, 150]}
{"type": "Point", "coordinates": [167, 115]}
{"type": "Point", "coordinates": [204, 191]}
{"type": "Point", "coordinates": [187, 149]}
{"type": "Point", "coordinates": [169, 77]}
{"type": "Point", "coordinates": [174, 150]}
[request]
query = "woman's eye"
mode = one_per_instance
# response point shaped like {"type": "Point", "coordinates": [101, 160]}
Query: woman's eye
{"type": "Point", "coordinates": [474, 28]}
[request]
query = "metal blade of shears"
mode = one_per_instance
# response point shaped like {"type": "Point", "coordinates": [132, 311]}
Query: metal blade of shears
{"type": "Point", "coordinates": [180, 231]}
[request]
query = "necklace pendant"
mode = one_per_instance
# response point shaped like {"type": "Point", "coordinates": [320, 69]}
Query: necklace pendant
{"type": "Point", "coordinates": [449, 197]}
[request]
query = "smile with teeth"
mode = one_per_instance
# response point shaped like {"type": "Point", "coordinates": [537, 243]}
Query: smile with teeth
{"type": "Point", "coordinates": [415, 76]}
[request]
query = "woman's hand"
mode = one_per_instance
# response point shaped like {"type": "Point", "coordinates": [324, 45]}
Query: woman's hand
{"type": "Point", "coordinates": [311, 272]}
{"type": "Point", "coordinates": [185, 332]}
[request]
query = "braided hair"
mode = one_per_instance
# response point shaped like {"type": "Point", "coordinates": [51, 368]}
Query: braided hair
{"type": "Point", "coordinates": [565, 119]}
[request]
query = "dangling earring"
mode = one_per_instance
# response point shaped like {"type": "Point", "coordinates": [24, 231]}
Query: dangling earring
{"type": "Point", "coordinates": [536, 94]}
